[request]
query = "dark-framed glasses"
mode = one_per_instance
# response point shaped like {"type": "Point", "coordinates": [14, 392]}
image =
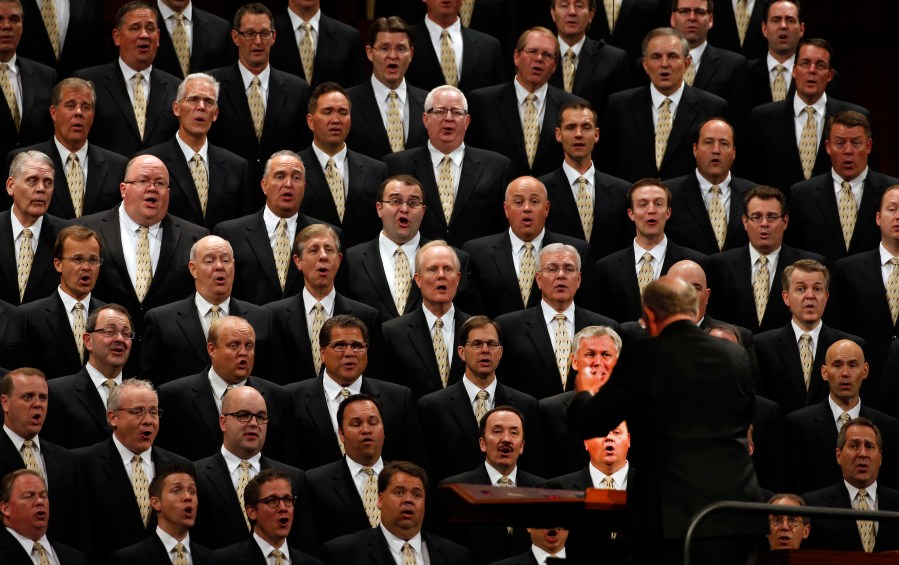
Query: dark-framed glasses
{"type": "Point", "coordinates": [274, 501]}
{"type": "Point", "coordinates": [244, 417]}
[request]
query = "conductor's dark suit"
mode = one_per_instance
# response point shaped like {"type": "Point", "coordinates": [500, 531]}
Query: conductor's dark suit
{"type": "Point", "coordinates": [368, 135]}
{"type": "Point", "coordinates": [843, 535]}
{"type": "Point", "coordinates": [369, 547]}
{"type": "Point", "coordinates": [36, 81]}
{"type": "Point", "coordinates": [249, 553]}
{"type": "Point", "coordinates": [44, 279]}
{"type": "Point", "coordinates": [210, 44]}
{"type": "Point", "coordinates": [11, 552]}
{"type": "Point", "coordinates": [726, 74]}
{"type": "Point", "coordinates": [334, 501]}
{"type": "Point", "coordinates": [85, 27]}
{"type": "Point", "coordinates": [338, 53]}
{"type": "Point", "coordinates": [14, 347]}
{"type": "Point", "coordinates": [724, 33]}
{"type": "Point", "coordinates": [78, 415]}
{"type": "Point", "coordinates": [483, 63]}
{"type": "Point", "coordinates": [151, 552]}
{"type": "Point", "coordinates": [602, 70]}
{"type": "Point", "coordinates": [564, 452]}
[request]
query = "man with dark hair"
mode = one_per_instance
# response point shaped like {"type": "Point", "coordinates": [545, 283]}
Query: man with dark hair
{"type": "Point", "coordinates": [788, 531]}
{"type": "Point", "coordinates": [191, 40]}
{"type": "Point", "coordinates": [771, 70]}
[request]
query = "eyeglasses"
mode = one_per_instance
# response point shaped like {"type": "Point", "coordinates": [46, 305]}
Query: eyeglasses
{"type": "Point", "coordinates": [700, 12]}
{"type": "Point", "coordinates": [340, 346]}
{"type": "Point", "coordinates": [141, 412]}
{"type": "Point", "coordinates": [145, 184]}
{"type": "Point", "coordinates": [273, 501]}
{"type": "Point", "coordinates": [806, 64]}
{"type": "Point", "coordinates": [195, 100]}
{"type": "Point", "coordinates": [398, 202]}
{"type": "Point", "coordinates": [536, 53]}
{"type": "Point", "coordinates": [792, 521]}
{"type": "Point", "coordinates": [757, 218]}
{"type": "Point", "coordinates": [80, 260]}
{"type": "Point", "coordinates": [441, 112]}
{"type": "Point", "coordinates": [250, 35]}
{"type": "Point", "coordinates": [478, 344]}
{"type": "Point", "coordinates": [110, 333]}
{"type": "Point", "coordinates": [554, 269]}
{"type": "Point", "coordinates": [244, 417]}
{"type": "Point", "coordinates": [386, 49]}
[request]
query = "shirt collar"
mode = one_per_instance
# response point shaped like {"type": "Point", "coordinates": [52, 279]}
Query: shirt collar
{"type": "Point", "coordinates": [17, 227]}
{"type": "Point", "coordinates": [788, 64]}
{"type": "Point", "coordinates": [814, 332]}
{"type": "Point", "coordinates": [496, 475]}
{"type": "Point", "coordinates": [541, 555]}
{"type": "Point", "coordinates": [247, 76]}
{"type": "Point", "coordinates": [455, 155]}
{"type": "Point", "coordinates": [129, 73]}
{"type": "Point", "coordinates": [754, 255]}
{"type": "Point", "coordinates": [126, 454]}
{"type": "Point", "coordinates": [564, 47]}
{"type": "Point", "coordinates": [857, 182]}
{"type": "Point", "coordinates": [619, 476]}
{"type": "Point", "coordinates": [885, 255]}
{"type": "Point", "coordinates": [870, 489]}
{"type": "Point", "coordinates": [28, 544]}
{"type": "Point", "coordinates": [657, 252]}
{"type": "Point", "coordinates": [434, 29]}
{"type": "Point", "coordinates": [18, 440]}
{"type": "Point", "coordinates": [472, 390]}
{"type": "Point", "coordinates": [219, 386]}
{"type": "Point", "coordinates": [658, 97]}
{"type": "Point", "coordinates": [327, 302]}
{"type": "Point", "coordinates": [64, 152]}
{"type": "Point", "coordinates": [333, 388]}
{"type": "Point", "coordinates": [131, 226]}
{"type": "Point", "coordinates": [69, 302]}
{"type": "Point", "coordinates": [296, 21]}
{"type": "Point", "coordinates": [518, 243]}
{"type": "Point", "coordinates": [267, 548]}
{"type": "Point", "coordinates": [355, 468]}
{"type": "Point", "coordinates": [323, 157]}
{"type": "Point", "coordinates": [233, 461]}
{"type": "Point", "coordinates": [271, 220]}
{"type": "Point", "coordinates": [204, 305]}
{"type": "Point", "coordinates": [382, 92]}
{"type": "Point", "coordinates": [549, 313]}
{"type": "Point", "coordinates": [189, 152]}
{"type": "Point", "coordinates": [447, 318]}
{"type": "Point", "coordinates": [799, 105]}
{"type": "Point", "coordinates": [853, 412]}
{"type": "Point", "coordinates": [389, 247]}
{"type": "Point", "coordinates": [573, 175]}
{"type": "Point", "coordinates": [97, 377]}
{"type": "Point", "coordinates": [167, 12]}
{"type": "Point", "coordinates": [696, 53]}
{"type": "Point", "coordinates": [168, 541]}
{"type": "Point", "coordinates": [396, 544]}
{"type": "Point", "coordinates": [521, 93]}
{"type": "Point", "coordinates": [705, 185]}
{"type": "Point", "coordinates": [12, 64]}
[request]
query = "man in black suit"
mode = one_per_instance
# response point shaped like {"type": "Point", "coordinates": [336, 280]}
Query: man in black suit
{"type": "Point", "coordinates": [341, 185]}
{"type": "Point", "coordinates": [82, 25]}
{"type": "Point", "coordinates": [195, 402]}
{"type": "Point", "coordinates": [587, 204]}
{"type": "Point", "coordinates": [812, 429]}
{"type": "Point", "coordinates": [263, 108]}
{"type": "Point", "coordinates": [27, 232]}
{"type": "Point", "coordinates": [134, 100]}
{"type": "Point", "coordinates": [538, 344]}
{"type": "Point", "coordinates": [173, 498]}
{"type": "Point", "coordinates": [174, 341]}
{"type": "Point", "coordinates": [462, 184]}
{"type": "Point", "coordinates": [270, 506]}
{"type": "Point", "coordinates": [402, 487]}
{"type": "Point", "coordinates": [747, 279]}
{"type": "Point", "coordinates": [115, 473]}
{"type": "Point", "coordinates": [727, 34]}
{"type": "Point", "coordinates": [450, 417]}
{"type": "Point", "coordinates": [547, 544]}
{"type": "Point", "coordinates": [772, 71]}
{"type": "Point", "coordinates": [860, 454]}
{"type": "Point", "coordinates": [14, 347]}
{"type": "Point", "coordinates": [623, 275]}
{"type": "Point", "coordinates": [25, 510]}
{"type": "Point", "coordinates": [628, 23]}
{"type": "Point", "coordinates": [344, 343]}
{"type": "Point", "coordinates": [205, 45]}
{"type": "Point", "coordinates": [315, 47]}
{"type": "Point", "coordinates": [786, 136]}
{"type": "Point", "coordinates": [56, 323]}
{"type": "Point", "coordinates": [703, 217]}
{"type": "Point", "coordinates": [78, 418]}
{"type": "Point", "coordinates": [850, 186]}
{"type": "Point", "coordinates": [648, 131]}
{"type": "Point", "coordinates": [507, 116]}
{"type": "Point", "coordinates": [375, 111]}
{"type": "Point", "coordinates": [88, 175]}
{"type": "Point", "coordinates": [208, 184]}
{"type": "Point", "coordinates": [651, 386]}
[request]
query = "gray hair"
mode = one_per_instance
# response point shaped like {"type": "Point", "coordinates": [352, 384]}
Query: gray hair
{"type": "Point", "coordinates": [282, 153]}
{"type": "Point", "coordinates": [559, 248]}
{"type": "Point", "coordinates": [663, 31]}
{"type": "Point", "coordinates": [203, 77]}
{"type": "Point", "coordinates": [115, 395]}
{"type": "Point", "coordinates": [596, 331]}
{"type": "Point", "coordinates": [431, 245]}
{"type": "Point", "coordinates": [429, 100]}
{"type": "Point", "coordinates": [25, 157]}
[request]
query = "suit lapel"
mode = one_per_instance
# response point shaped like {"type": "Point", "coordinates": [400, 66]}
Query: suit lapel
{"type": "Point", "coordinates": [29, 86]}
{"type": "Point", "coordinates": [502, 258]}
{"type": "Point", "coordinates": [420, 338]}
{"type": "Point", "coordinates": [109, 229]}
{"type": "Point", "coordinates": [179, 169]}
{"type": "Point", "coordinates": [114, 83]}
{"type": "Point", "coordinates": [468, 180]}
{"type": "Point", "coordinates": [642, 122]}
{"type": "Point", "coordinates": [218, 177]}
{"type": "Point", "coordinates": [278, 96]}
{"type": "Point", "coordinates": [463, 412]}
{"type": "Point", "coordinates": [423, 170]}
{"type": "Point", "coordinates": [317, 184]}
{"type": "Point", "coordinates": [62, 197]}
{"type": "Point", "coordinates": [90, 399]}
{"type": "Point", "coordinates": [790, 360]}
{"type": "Point", "coordinates": [317, 407]}
{"type": "Point", "coordinates": [687, 112]}
{"type": "Point", "coordinates": [200, 39]}
{"type": "Point", "coordinates": [262, 248]}
{"type": "Point", "coordinates": [538, 334]}
{"type": "Point", "coordinates": [367, 108]}
{"type": "Point", "coordinates": [95, 179]}
{"type": "Point", "coordinates": [357, 175]}
{"type": "Point", "coordinates": [563, 198]}
{"type": "Point", "coordinates": [8, 253]}
{"type": "Point", "coordinates": [374, 270]}
{"type": "Point", "coordinates": [692, 200]}
{"type": "Point", "coordinates": [217, 471]}
{"type": "Point", "coordinates": [471, 48]}
{"type": "Point", "coordinates": [156, 102]}
{"type": "Point", "coordinates": [43, 256]}
{"type": "Point", "coordinates": [57, 323]}
{"type": "Point", "coordinates": [507, 106]}
{"type": "Point", "coordinates": [299, 330]}
{"type": "Point", "coordinates": [188, 320]}
{"type": "Point", "coordinates": [708, 67]}
{"type": "Point", "coordinates": [236, 97]}
{"type": "Point", "coordinates": [171, 234]}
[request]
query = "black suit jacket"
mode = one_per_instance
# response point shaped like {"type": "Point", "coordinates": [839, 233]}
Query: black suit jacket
{"type": "Point", "coordinates": [730, 278]}
{"type": "Point", "coordinates": [334, 501]}
{"type": "Point", "coordinates": [482, 61]}
{"type": "Point", "coordinates": [14, 345]}
{"type": "Point", "coordinates": [496, 125]}
{"type": "Point", "coordinates": [724, 32]}
{"type": "Point", "coordinates": [477, 208]}
{"type": "Point", "coordinates": [369, 134]}
{"type": "Point", "coordinates": [564, 452]}
{"type": "Point", "coordinates": [843, 534]}
{"type": "Point", "coordinates": [689, 223]}
{"type": "Point", "coordinates": [114, 123]}
{"type": "Point", "coordinates": [151, 552]}
{"type": "Point", "coordinates": [403, 437]}
{"type": "Point", "coordinates": [815, 216]}
{"type": "Point", "coordinates": [726, 74]}
{"type": "Point", "coordinates": [174, 344]}
{"type": "Point", "coordinates": [627, 141]}
{"type": "Point", "coordinates": [37, 81]}
{"type": "Point", "coordinates": [611, 226]}
{"type": "Point", "coordinates": [774, 147]}
{"type": "Point", "coordinates": [48, 330]}
{"type": "Point", "coordinates": [888, 389]}
{"type": "Point", "coordinates": [617, 278]}
{"type": "Point", "coordinates": [528, 363]}
{"type": "Point", "coordinates": [635, 19]}
{"type": "Point", "coordinates": [338, 53]}
{"type": "Point", "coordinates": [249, 553]}
{"type": "Point", "coordinates": [360, 220]}
{"type": "Point", "coordinates": [11, 551]}
{"type": "Point", "coordinates": [760, 82]}
{"type": "Point", "coordinates": [369, 547]}
{"type": "Point", "coordinates": [44, 279]}
{"type": "Point", "coordinates": [85, 27]}
{"type": "Point", "coordinates": [77, 417]}
{"type": "Point", "coordinates": [230, 188]}
{"type": "Point", "coordinates": [602, 70]}
{"type": "Point", "coordinates": [211, 45]}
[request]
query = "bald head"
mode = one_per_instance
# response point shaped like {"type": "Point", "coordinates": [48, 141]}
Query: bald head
{"type": "Point", "coordinates": [668, 299]}
{"type": "Point", "coordinates": [691, 273]}
{"type": "Point", "coordinates": [844, 370]}
{"type": "Point", "coordinates": [526, 207]}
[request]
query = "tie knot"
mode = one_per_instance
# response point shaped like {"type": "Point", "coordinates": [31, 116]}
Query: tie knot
{"type": "Point", "coordinates": [3, 66]}
{"type": "Point", "coordinates": [197, 158]}
{"type": "Point", "coordinates": [504, 481]}
{"type": "Point", "coordinates": [26, 233]}
{"type": "Point", "coordinates": [438, 324]}
{"type": "Point", "coordinates": [716, 189]}
{"type": "Point", "coordinates": [255, 81]}
{"type": "Point", "coordinates": [178, 17]}
{"type": "Point", "coordinates": [143, 230]}
{"type": "Point", "coordinates": [763, 260]}
{"type": "Point", "coordinates": [569, 55]}
{"type": "Point", "coordinates": [318, 307]}
{"type": "Point", "coordinates": [647, 257]}
{"type": "Point", "coordinates": [581, 181]}
{"type": "Point", "coordinates": [862, 493]}
{"type": "Point", "coordinates": [666, 103]}
{"type": "Point", "coordinates": [805, 337]}
{"type": "Point", "coordinates": [330, 163]}
{"type": "Point", "coordinates": [244, 464]}
{"type": "Point", "coordinates": [809, 110]}
{"type": "Point", "coordinates": [444, 33]}
{"type": "Point", "coordinates": [560, 317]}
{"type": "Point", "coordinates": [446, 161]}
{"type": "Point", "coordinates": [37, 547]}
{"type": "Point", "coordinates": [78, 306]}
{"type": "Point", "coordinates": [780, 68]}
{"type": "Point", "coordinates": [531, 98]}
{"type": "Point", "coordinates": [276, 553]}
{"type": "Point", "coordinates": [368, 471]}
{"type": "Point", "coordinates": [345, 392]}
{"type": "Point", "coordinates": [73, 157]}
{"type": "Point", "coordinates": [110, 384]}
{"type": "Point", "coordinates": [845, 417]}
{"type": "Point", "coordinates": [135, 459]}
{"type": "Point", "coordinates": [482, 395]}
{"type": "Point", "coordinates": [392, 95]}
{"type": "Point", "coordinates": [28, 443]}
{"type": "Point", "coordinates": [179, 547]}
{"type": "Point", "coordinates": [894, 261]}
{"type": "Point", "coordinates": [138, 77]}
{"type": "Point", "coordinates": [306, 26]}
{"type": "Point", "coordinates": [846, 186]}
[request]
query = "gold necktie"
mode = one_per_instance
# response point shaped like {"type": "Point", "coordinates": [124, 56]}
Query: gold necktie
{"type": "Point", "coordinates": [140, 104]}
{"type": "Point", "coordinates": [506, 482]}
{"type": "Point", "coordinates": [318, 320]}
{"type": "Point", "coordinates": [646, 274]}
{"type": "Point", "coordinates": [48, 14]}
{"type": "Point", "coordinates": [844, 417]}
{"type": "Point", "coordinates": [568, 69]}
{"type": "Point", "coordinates": [466, 11]}
{"type": "Point", "coordinates": [242, 480]}
{"type": "Point", "coordinates": [75, 180]}
{"type": "Point", "coordinates": [141, 486]}
{"type": "Point", "coordinates": [531, 129]}
{"type": "Point", "coordinates": [110, 384]}
{"type": "Point", "coordinates": [215, 312]}
{"type": "Point", "coordinates": [563, 348]}
{"type": "Point", "coordinates": [448, 59]}
{"type": "Point", "coordinates": [29, 457]}
{"type": "Point", "coordinates": [257, 108]}
{"type": "Point", "coordinates": [182, 44]}
{"type": "Point", "coordinates": [663, 130]}
{"type": "Point", "coordinates": [848, 211]}
{"type": "Point", "coordinates": [440, 351]}
{"type": "Point", "coordinates": [480, 407]}
{"type": "Point", "coordinates": [779, 86]}
{"type": "Point", "coordinates": [611, 7]}
{"type": "Point", "coordinates": [408, 554]}
{"type": "Point", "coordinates": [741, 12]}
{"type": "Point", "coordinates": [865, 527]}
{"type": "Point", "coordinates": [446, 187]}
{"type": "Point", "coordinates": [344, 393]}
{"type": "Point", "coordinates": [282, 254]}
{"type": "Point", "coordinates": [180, 555]}
{"type": "Point", "coordinates": [144, 264]}
{"type": "Point", "coordinates": [690, 73]}
{"type": "Point", "coordinates": [805, 357]}
{"type": "Point", "coordinates": [608, 483]}
{"type": "Point", "coordinates": [201, 180]}
{"type": "Point", "coordinates": [402, 279]}
{"type": "Point", "coordinates": [10, 95]}
{"type": "Point", "coordinates": [395, 132]}
{"type": "Point", "coordinates": [526, 272]}
{"type": "Point", "coordinates": [335, 183]}
{"type": "Point", "coordinates": [43, 558]}
{"type": "Point", "coordinates": [278, 555]}
{"type": "Point", "coordinates": [893, 289]}
{"type": "Point", "coordinates": [585, 207]}
{"type": "Point", "coordinates": [808, 143]}
{"type": "Point", "coordinates": [370, 497]}
{"type": "Point", "coordinates": [718, 216]}
{"type": "Point", "coordinates": [760, 288]}
{"type": "Point", "coordinates": [78, 324]}
{"type": "Point", "coordinates": [307, 51]}
{"type": "Point", "coordinates": [26, 258]}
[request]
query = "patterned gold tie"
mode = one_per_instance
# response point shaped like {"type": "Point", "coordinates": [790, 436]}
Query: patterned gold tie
{"type": "Point", "coordinates": [760, 288]}
{"type": "Point", "coordinates": [75, 180]}
{"type": "Point", "coordinates": [141, 486]}
{"type": "Point", "coordinates": [844, 417]}
{"type": "Point", "coordinates": [182, 44]}
{"type": "Point", "coordinates": [585, 207]}
{"type": "Point", "coordinates": [180, 555]}
{"type": "Point", "coordinates": [646, 273]}
{"type": "Point", "coordinates": [848, 212]}
{"type": "Point", "coordinates": [608, 483]}
{"type": "Point", "coordinates": [611, 13]}
{"type": "Point", "coordinates": [78, 324]}
{"type": "Point", "coordinates": [344, 393]}
{"type": "Point", "coordinates": [282, 253]}
{"type": "Point", "coordinates": [562, 346]}
{"type": "Point", "coordinates": [48, 14]}
{"type": "Point", "coordinates": [718, 216]}
{"type": "Point", "coordinates": [480, 406]}
{"type": "Point", "coordinates": [307, 50]}
{"type": "Point", "coordinates": [215, 312]}
{"type": "Point", "coordinates": [741, 12]}
{"type": "Point", "coordinates": [526, 272]}
{"type": "Point", "coordinates": [440, 351]}
{"type": "Point", "coordinates": [201, 180]}
{"type": "Point", "coordinates": [690, 73]}
{"type": "Point", "coordinates": [140, 103]}
{"type": "Point", "coordinates": [779, 85]}
{"type": "Point", "coordinates": [242, 480]}
{"type": "Point", "coordinates": [466, 11]}
{"type": "Point", "coordinates": [402, 279]}
{"type": "Point", "coordinates": [893, 289]}
{"type": "Point", "coordinates": [808, 143]}
{"type": "Point", "coordinates": [278, 555]}
{"type": "Point", "coordinates": [43, 558]}
{"type": "Point", "coordinates": [10, 95]}
{"type": "Point", "coordinates": [29, 457]}
{"type": "Point", "coordinates": [568, 69]}
{"type": "Point", "coordinates": [806, 358]}
{"type": "Point", "coordinates": [446, 187]}
{"type": "Point", "coordinates": [531, 129]}
{"type": "Point", "coordinates": [335, 183]}
{"type": "Point", "coordinates": [865, 527]}
{"type": "Point", "coordinates": [26, 258]}
{"type": "Point", "coordinates": [408, 554]}
{"type": "Point", "coordinates": [110, 385]}
{"type": "Point", "coordinates": [370, 497]}
{"type": "Point", "coordinates": [144, 264]}
{"type": "Point", "coordinates": [318, 320]}
{"type": "Point", "coordinates": [257, 108]}
{"type": "Point", "coordinates": [663, 130]}
{"type": "Point", "coordinates": [448, 59]}
{"type": "Point", "coordinates": [395, 123]}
